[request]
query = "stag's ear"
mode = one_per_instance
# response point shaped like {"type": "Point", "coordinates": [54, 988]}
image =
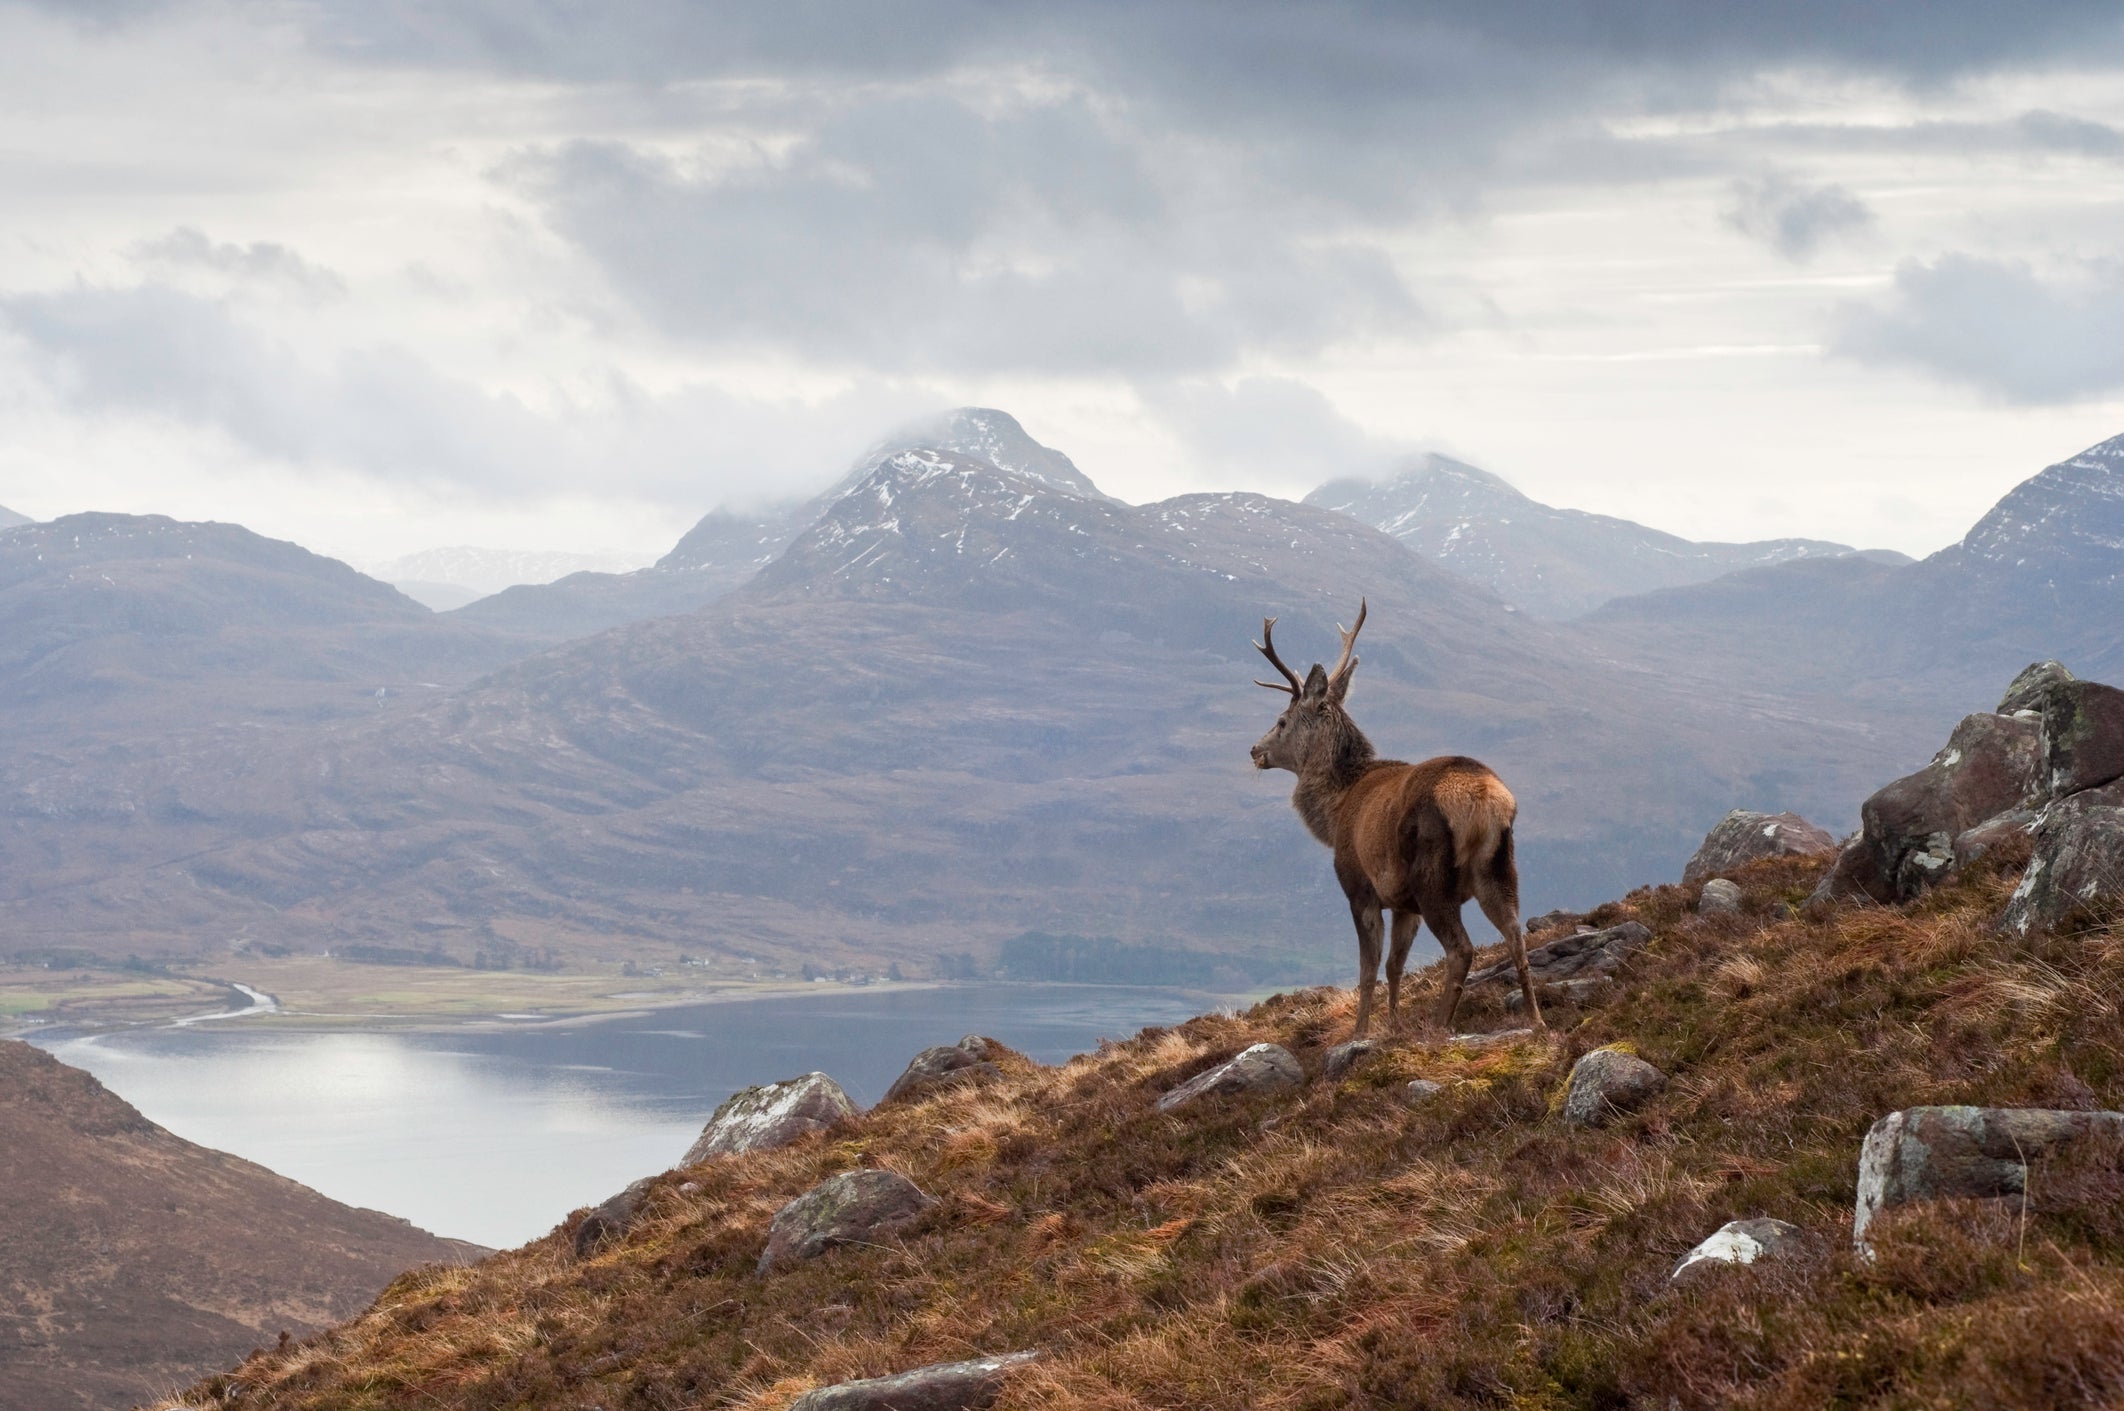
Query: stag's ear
{"type": "Point", "coordinates": [1316, 683]}
{"type": "Point", "coordinates": [1339, 686]}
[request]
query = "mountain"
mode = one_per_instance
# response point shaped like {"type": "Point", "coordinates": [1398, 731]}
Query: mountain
{"type": "Point", "coordinates": [727, 547]}
{"type": "Point", "coordinates": [133, 1260]}
{"type": "Point", "coordinates": [464, 573]}
{"type": "Point", "coordinates": [1554, 563]}
{"type": "Point", "coordinates": [963, 704]}
{"type": "Point", "coordinates": [9, 519]}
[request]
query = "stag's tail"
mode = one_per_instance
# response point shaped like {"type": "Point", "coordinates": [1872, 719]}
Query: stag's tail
{"type": "Point", "coordinates": [1479, 810]}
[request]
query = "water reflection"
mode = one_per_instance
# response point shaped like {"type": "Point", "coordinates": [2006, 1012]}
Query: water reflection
{"type": "Point", "coordinates": [494, 1134]}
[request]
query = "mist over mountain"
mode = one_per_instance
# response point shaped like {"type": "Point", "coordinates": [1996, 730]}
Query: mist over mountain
{"type": "Point", "coordinates": [1554, 563]}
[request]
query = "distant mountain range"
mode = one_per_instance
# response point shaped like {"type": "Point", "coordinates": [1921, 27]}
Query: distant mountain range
{"type": "Point", "coordinates": [1554, 563]}
{"type": "Point", "coordinates": [135, 1261]}
{"type": "Point", "coordinates": [448, 578]}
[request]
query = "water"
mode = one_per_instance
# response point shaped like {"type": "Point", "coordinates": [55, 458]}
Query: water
{"type": "Point", "coordinates": [494, 1133]}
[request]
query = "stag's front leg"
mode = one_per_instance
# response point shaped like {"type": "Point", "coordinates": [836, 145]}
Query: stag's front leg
{"type": "Point", "coordinates": [1405, 923]}
{"type": "Point", "coordinates": [1369, 927]}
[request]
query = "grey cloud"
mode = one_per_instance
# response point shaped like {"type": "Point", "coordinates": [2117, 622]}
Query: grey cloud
{"type": "Point", "coordinates": [189, 248]}
{"type": "Point", "coordinates": [1999, 326]}
{"type": "Point", "coordinates": [384, 412]}
{"type": "Point", "coordinates": [1270, 431]}
{"type": "Point", "coordinates": [1792, 217]}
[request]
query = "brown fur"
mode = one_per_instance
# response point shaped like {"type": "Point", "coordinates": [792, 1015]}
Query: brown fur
{"type": "Point", "coordinates": [1420, 840]}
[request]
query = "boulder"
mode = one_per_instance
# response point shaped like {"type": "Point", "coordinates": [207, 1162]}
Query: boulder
{"type": "Point", "coordinates": [1577, 991]}
{"type": "Point", "coordinates": [2027, 690]}
{"type": "Point", "coordinates": [968, 1060]}
{"type": "Point", "coordinates": [853, 1206]}
{"type": "Point", "coordinates": [1586, 953]}
{"type": "Point", "coordinates": [1742, 837]}
{"type": "Point", "coordinates": [1987, 836]}
{"type": "Point", "coordinates": [1606, 1081]}
{"type": "Point", "coordinates": [771, 1115]}
{"type": "Point", "coordinates": [2077, 870]}
{"type": "Point", "coordinates": [1719, 898]}
{"type": "Point", "coordinates": [1740, 1242]}
{"type": "Point", "coordinates": [2083, 736]}
{"type": "Point", "coordinates": [1992, 764]}
{"type": "Point", "coordinates": [1418, 1091]}
{"type": "Point", "coordinates": [945, 1386]}
{"type": "Point", "coordinates": [1343, 1057]}
{"type": "Point", "coordinates": [613, 1219]}
{"type": "Point", "coordinates": [1259, 1069]}
{"type": "Point", "coordinates": [1929, 1153]}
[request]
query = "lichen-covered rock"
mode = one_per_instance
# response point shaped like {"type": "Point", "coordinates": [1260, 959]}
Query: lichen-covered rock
{"type": "Point", "coordinates": [968, 1060]}
{"type": "Point", "coordinates": [2083, 736]}
{"type": "Point", "coordinates": [2027, 690]}
{"type": "Point", "coordinates": [1930, 1153]}
{"type": "Point", "coordinates": [1343, 1057]}
{"type": "Point", "coordinates": [1740, 1242]}
{"type": "Point", "coordinates": [946, 1386]}
{"type": "Point", "coordinates": [613, 1219]}
{"type": "Point", "coordinates": [1586, 953]}
{"type": "Point", "coordinates": [1992, 764]}
{"type": "Point", "coordinates": [1491, 1040]}
{"type": "Point", "coordinates": [1607, 1081]}
{"type": "Point", "coordinates": [2077, 870]}
{"type": "Point", "coordinates": [1418, 1091]}
{"type": "Point", "coordinates": [1987, 836]}
{"type": "Point", "coordinates": [1261, 1068]}
{"type": "Point", "coordinates": [1742, 837]}
{"type": "Point", "coordinates": [771, 1115]}
{"type": "Point", "coordinates": [855, 1205]}
{"type": "Point", "coordinates": [1719, 897]}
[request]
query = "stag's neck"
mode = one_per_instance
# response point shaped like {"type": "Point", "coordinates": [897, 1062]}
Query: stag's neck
{"type": "Point", "coordinates": [1318, 797]}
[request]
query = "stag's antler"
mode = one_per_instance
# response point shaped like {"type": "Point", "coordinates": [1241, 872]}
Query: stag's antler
{"type": "Point", "coordinates": [1339, 676]}
{"type": "Point", "coordinates": [1267, 647]}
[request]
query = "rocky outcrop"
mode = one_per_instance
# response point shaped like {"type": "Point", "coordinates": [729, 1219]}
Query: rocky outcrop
{"type": "Point", "coordinates": [2027, 689]}
{"type": "Point", "coordinates": [853, 1206]}
{"type": "Point", "coordinates": [771, 1115]}
{"type": "Point", "coordinates": [1991, 765]}
{"type": "Point", "coordinates": [2083, 736]}
{"type": "Point", "coordinates": [1929, 1153]}
{"type": "Point", "coordinates": [1585, 954]}
{"type": "Point", "coordinates": [1607, 1081]}
{"type": "Point", "coordinates": [612, 1220]}
{"type": "Point", "coordinates": [946, 1386]}
{"type": "Point", "coordinates": [1720, 897]}
{"type": "Point", "coordinates": [971, 1059]}
{"type": "Point", "coordinates": [1742, 837]}
{"type": "Point", "coordinates": [2077, 871]}
{"type": "Point", "coordinates": [1259, 1069]}
{"type": "Point", "coordinates": [1740, 1242]}
{"type": "Point", "coordinates": [1343, 1057]}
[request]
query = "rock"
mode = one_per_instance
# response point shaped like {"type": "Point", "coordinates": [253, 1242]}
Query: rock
{"type": "Point", "coordinates": [936, 1068]}
{"type": "Point", "coordinates": [1586, 953]}
{"type": "Point", "coordinates": [1740, 1242]}
{"type": "Point", "coordinates": [1992, 764]}
{"type": "Point", "coordinates": [2083, 736]}
{"type": "Point", "coordinates": [946, 1386]}
{"type": "Point", "coordinates": [1262, 1068]}
{"type": "Point", "coordinates": [2026, 692]}
{"type": "Point", "coordinates": [2077, 870]}
{"type": "Point", "coordinates": [1577, 991]}
{"type": "Point", "coordinates": [772, 1115]}
{"type": "Point", "coordinates": [613, 1219]}
{"type": "Point", "coordinates": [1418, 1091]}
{"type": "Point", "coordinates": [855, 1205]}
{"type": "Point", "coordinates": [1343, 1057]}
{"type": "Point", "coordinates": [1927, 1153]}
{"type": "Point", "coordinates": [1501, 1036]}
{"type": "Point", "coordinates": [1988, 835]}
{"type": "Point", "coordinates": [1742, 837]}
{"type": "Point", "coordinates": [1555, 921]}
{"type": "Point", "coordinates": [1719, 898]}
{"type": "Point", "coordinates": [1605, 1081]}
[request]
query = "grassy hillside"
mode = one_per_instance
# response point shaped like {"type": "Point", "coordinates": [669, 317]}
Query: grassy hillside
{"type": "Point", "coordinates": [1333, 1246]}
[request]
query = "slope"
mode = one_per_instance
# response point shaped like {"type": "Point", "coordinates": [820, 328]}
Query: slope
{"type": "Point", "coordinates": [132, 1260]}
{"type": "Point", "coordinates": [1554, 563]}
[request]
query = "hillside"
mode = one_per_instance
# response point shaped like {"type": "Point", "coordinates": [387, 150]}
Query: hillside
{"type": "Point", "coordinates": [964, 704]}
{"type": "Point", "coordinates": [1554, 563]}
{"type": "Point", "coordinates": [132, 1260]}
{"type": "Point", "coordinates": [1355, 1242]}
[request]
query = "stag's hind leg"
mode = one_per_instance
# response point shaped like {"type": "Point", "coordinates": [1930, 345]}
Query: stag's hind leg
{"type": "Point", "coordinates": [1443, 917]}
{"type": "Point", "coordinates": [1497, 892]}
{"type": "Point", "coordinates": [1405, 922]}
{"type": "Point", "coordinates": [1369, 925]}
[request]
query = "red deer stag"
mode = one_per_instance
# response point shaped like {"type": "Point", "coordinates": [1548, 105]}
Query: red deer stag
{"type": "Point", "coordinates": [1416, 839]}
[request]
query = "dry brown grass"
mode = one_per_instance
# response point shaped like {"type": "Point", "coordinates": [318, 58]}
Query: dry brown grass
{"type": "Point", "coordinates": [1332, 1247]}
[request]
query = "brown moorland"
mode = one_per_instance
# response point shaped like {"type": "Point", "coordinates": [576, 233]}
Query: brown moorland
{"type": "Point", "coordinates": [1332, 1246]}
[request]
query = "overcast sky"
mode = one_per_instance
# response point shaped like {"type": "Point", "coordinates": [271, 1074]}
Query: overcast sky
{"type": "Point", "coordinates": [377, 275]}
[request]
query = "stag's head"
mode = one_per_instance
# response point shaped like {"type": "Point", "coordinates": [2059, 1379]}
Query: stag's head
{"type": "Point", "coordinates": [1314, 730]}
